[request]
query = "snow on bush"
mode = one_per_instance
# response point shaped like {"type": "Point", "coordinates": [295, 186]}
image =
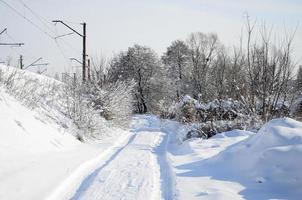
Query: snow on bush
{"type": "Point", "coordinates": [51, 98]}
{"type": "Point", "coordinates": [208, 119]}
{"type": "Point", "coordinates": [114, 101]}
{"type": "Point", "coordinates": [297, 108]}
{"type": "Point", "coordinates": [69, 104]}
{"type": "Point", "coordinates": [214, 110]}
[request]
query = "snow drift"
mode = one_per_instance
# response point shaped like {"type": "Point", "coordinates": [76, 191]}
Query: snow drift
{"type": "Point", "coordinates": [270, 160]}
{"type": "Point", "coordinates": [239, 164]}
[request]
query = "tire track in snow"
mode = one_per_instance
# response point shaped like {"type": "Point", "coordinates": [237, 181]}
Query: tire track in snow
{"type": "Point", "coordinates": [133, 173]}
{"type": "Point", "coordinates": [90, 178]}
{"type": "Point", "coordinates": [167, 177]}
{"type": "Point", "coordinates": [69, 186]}
{"type": "Point", "coordinates": [140, 169]}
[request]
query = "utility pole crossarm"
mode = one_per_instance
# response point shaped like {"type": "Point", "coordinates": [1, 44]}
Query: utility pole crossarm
{"type": "Point", "coordinates": [84, 45]}
{"type": "Point", "coordinates": [33, 63]}
{"type": "Point", "coordinates": [64, 35]}
{"type": "Point", "coordinates": [41, 72]}
{"type": "Point", "coordinates": [3, 31]}
{"type": "Point", "coordinates": [76, 60]}
{"type": "Point", "coordinates": [60, 21]}
{"type": "Point", "coordinates": [40, 64]}
{"type": "Point", "coordinates": [11, 44]}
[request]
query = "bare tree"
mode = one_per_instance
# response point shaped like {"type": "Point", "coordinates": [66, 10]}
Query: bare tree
{"type": "Point", "coordinates": [270, 70]}
{"type": "Point", "coordinates": [218, 74]}
{"type": "Point", "coordinates": [202, 51]}
{"type": "Point", "coordinates": [299, 80]}
{"type": "Point", "coordinates": [99, 69]}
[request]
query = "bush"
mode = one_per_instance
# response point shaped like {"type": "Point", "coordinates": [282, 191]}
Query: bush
{"type": "Point", "coordinates": [71, 105]}
{"type": "Point", "coordinates": [208, 119]}
{"type": "Point", "coordinates": [114, 101]}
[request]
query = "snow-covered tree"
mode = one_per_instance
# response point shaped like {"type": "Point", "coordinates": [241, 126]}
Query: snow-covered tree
{"type": "Point", "coordinates": [176, 60]}
{"type": "Point", "coordinates": [139, 63]}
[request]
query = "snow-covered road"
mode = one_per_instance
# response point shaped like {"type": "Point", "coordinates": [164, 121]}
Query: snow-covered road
{"type": "Point", "coordinates": [136, 169]}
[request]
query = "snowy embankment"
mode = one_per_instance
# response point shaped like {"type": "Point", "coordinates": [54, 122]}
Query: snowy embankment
{"type": "Point", "coordinates": [39, 155]}
{"type": "Point", "coordinates": [241, 164]}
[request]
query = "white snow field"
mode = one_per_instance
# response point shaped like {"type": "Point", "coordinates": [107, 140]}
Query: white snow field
{"type": "Point", "coordinates": [152, 164]}
{"type": "Point", "coordinates": [41, 159]}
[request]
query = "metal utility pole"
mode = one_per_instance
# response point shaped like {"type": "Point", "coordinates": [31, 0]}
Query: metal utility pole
{"type": "Point", "coordinates": [21, 62]}
{"type": "Point", "coordinates": [83, 35]}
{"type": "Point", "coordinates": [74, 79]}
{"type": "Point", "coordinates": [84, 52]}
{"type": "Point", "coordinates": [88, 64]}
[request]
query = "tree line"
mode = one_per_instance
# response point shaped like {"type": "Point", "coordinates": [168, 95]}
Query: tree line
{"type": "Point", "coordinates": [259, 72]}
{"type": "Point", "coordinates": [200, 79]}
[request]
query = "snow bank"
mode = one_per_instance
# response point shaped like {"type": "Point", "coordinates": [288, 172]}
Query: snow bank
{"type": "Point", "coordinates": [272, 158]}
{"type": "Point", "coordinates": [38, 150]}
{"type": "Point", "coordinates": [55, 101]}
{"type": "Point", "coordinates": [22, 129]}
{"type": "Point", "coordinates": [32, 152]}
{"type": "Point", "coordinates": [239, 164]}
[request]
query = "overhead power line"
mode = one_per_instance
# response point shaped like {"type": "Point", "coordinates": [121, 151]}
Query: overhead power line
{"type": "Point", "coordinates": [49, 32]}
{"type": "Point", "coordinates": [59, 36]}
{"type": "Point", "coordinates": [27, 19]}
{"type": "Point", "coordinates": [39, 17]}
{"type": "Point", "coordinates": [47, 24]}
{"type": "Point", "coordinates": [10, 44]}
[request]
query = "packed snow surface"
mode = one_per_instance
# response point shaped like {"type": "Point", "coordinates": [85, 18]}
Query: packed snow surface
{"type": "Point", "coordinates": [135, 170]}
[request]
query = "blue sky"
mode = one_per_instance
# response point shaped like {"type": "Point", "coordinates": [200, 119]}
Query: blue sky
{"type": "Point", "coordinates": [114, 25]}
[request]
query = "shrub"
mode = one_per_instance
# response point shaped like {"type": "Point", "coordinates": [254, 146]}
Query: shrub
{"type": "Point", "coordinates": [114, 101]}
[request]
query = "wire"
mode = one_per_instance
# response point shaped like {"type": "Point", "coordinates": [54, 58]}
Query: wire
{"type": "Point", "coordinates": [72, 47]}
{"type": "Point", "coordinates": [30, 53]}
{"type": "Point", "coordinates": [39, 17]}
{"type": "Point", "coordinates": [59, 36]}
{"type": "Point", "coordinates": [67, 43]}
{"type": "Point", "coordinates": [45, 23]}
{"type": "Point", "coordinates": [71, 22]}
{"type": "Point", "coordinates": [62, 52]}
{"type": "Point", "coordinates": [31, 22]}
